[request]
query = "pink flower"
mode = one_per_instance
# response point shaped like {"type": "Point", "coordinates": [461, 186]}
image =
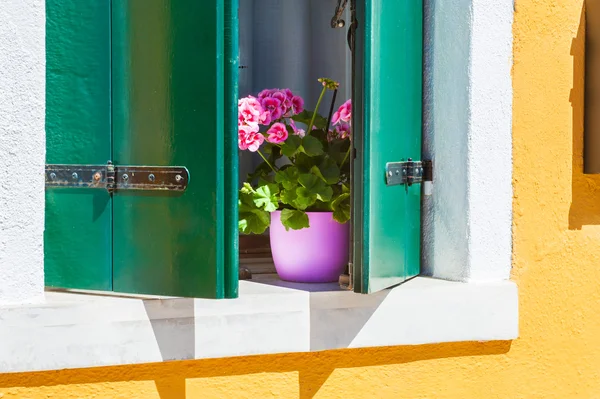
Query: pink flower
{"type": "Point", "coordinates": [343, 130]}
{"type": "Point", "coordinates": [297, 105]}
{"type": "Point", "coordinates": [272, 105]}
{"type": "Point", "coordinates": [344, 113]}
{"type": "Point", "coordinates": [288, 93]}
{"type": "Point", "coordinates": [249, 138]}
{"type": "Point", "coordinates": [265, 118]}
{"type": "Point", "coordinates": [249, 111]}
{"type": "Point", "coordinates": [277, 133]}
{"type": "Point", "coordinates": [285, 102]}
{"type": "Point", "coordinates": [297, 132]}
{"type": "Point", "coordinates": [265, 93]}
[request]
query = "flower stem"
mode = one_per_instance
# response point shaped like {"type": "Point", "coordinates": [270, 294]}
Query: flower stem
{"type": "Point", "coordinates": [346, 157]}
{"type": "Point", "coordinates": [331, 110]}
{"type": "Point", "coordinates": [314, 116]}
{"type": "Point", "coordinates": [265, 159]}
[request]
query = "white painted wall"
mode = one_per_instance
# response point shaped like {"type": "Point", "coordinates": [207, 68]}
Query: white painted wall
{"type": "Point", "coordinates": [468, 134]}
{"type": "Point", "coordinates": [22, 149]}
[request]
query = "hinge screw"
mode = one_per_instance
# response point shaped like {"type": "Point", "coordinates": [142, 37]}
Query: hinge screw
{"type": "Point", "coordinates": [178, 178]}
{"type": "Point", "coordinates": [97, 176]}
{"type": "Point", "coordinates": [75, 176]}
{"type": "Point", "coordinates": [125, 177]}
{"type": "Point", "coordinates": [52, 176]}
{"type": "Point", "coordinates": [151, 177]}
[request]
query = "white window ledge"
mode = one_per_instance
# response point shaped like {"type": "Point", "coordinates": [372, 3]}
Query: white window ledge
{"type": "Point", "coordinates": [72, 330]}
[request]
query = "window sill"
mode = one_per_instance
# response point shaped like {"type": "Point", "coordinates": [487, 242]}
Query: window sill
{"type": "Point", "coordinates": [72, 330]}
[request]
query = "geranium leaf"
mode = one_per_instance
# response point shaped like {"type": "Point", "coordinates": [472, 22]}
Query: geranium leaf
{"type": "Point", "coordinates": [338, 150]}
{"type": "Point", "coordinates": [328, 171]}
{"type": "Point", "coordinates": [304, 198]}
{"type": "Point", "coordinates": [341, 208]}
{"type": "Point", "coordinates": [294, 219]}
{"type": "Point", "coordinates": [266, 197]}
{"type": "Point", "coordinates": [305, 163]}
{"type": "Point", "coordinates": [305, 117]}
{"type": "Point", "coordinates": [288, 177]}
{"type": "Point", "coordinates": [311, 146]}
{"type": "Point", "coordinates": [252, 220]}
{"type": "Point", "coordinates": [291, 146]}
{"type": "Point", "coordinates": [288, 197]}
{"type": "Point", "coordinates": [315, 186]}
{"type": "Point", "coordinates": [342, 214]}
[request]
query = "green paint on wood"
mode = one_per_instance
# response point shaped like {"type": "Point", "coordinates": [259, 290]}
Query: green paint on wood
{"type": "Point", "coordinates": [389, 93]}
{"type": "Point", "coordinates": [231, 246]}
{"type": "Point", "coordinates": [77, 236]}
{"type": "Point", "coordinates": [169, 109]}
{"type": "Point", "coordinates": [164, 93]}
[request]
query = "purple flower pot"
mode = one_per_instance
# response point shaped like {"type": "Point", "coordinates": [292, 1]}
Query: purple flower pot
{"type": "Point", "coordinates": [318, 254]}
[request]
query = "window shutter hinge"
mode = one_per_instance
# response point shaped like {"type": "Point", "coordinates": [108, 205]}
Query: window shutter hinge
{"type": "Point", "coordinates": [408, 172]}
{"type": "Point", "coordinates": [116, 177]}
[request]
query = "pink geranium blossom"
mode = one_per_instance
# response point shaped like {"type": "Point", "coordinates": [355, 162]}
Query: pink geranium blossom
{"type": "Point", "coordinates": [265, 93]}
{"type": "Point", "coordinates": [277, 133]}
{"type": "Point", "coordinates": [265, 118]}
{"type": "Point", "coordinates": [249, 138]}
{"type": "Point", "coordinates": [249, 111]}
{"type": "Point", "coordinates": [285, 101]}
{"type": "Point", "coordinates": [343, 114]}
{"type": "Point", "coordinates": [297, 131]}
{"type": "Point", "coordinates": [297, 105]}
{"type": "Point", "coordinates": [343, 130]}
{"type": "Point", "coordinates": [272, 105]}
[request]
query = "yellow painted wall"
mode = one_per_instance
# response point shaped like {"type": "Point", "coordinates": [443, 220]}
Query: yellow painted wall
{"type": "Point", "coordinates": [556, 265]}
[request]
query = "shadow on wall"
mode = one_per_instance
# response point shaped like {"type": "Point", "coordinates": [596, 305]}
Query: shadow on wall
{"type": "Point", "coordinates": [585, 204]}
{"type": "Point", "coordinates": [313, 369]}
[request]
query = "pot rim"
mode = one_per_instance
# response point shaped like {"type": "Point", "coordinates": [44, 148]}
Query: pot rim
{"type": "Point", "coordinates": [309, 213]}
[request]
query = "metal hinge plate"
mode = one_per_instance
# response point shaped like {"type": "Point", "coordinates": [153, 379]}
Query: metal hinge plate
{"type": "Point", "coordinates": [408, 172]}
{"type": "Point", "coordinates": [116, 178]}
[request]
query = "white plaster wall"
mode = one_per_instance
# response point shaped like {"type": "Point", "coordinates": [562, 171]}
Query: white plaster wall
{"type": "Point", "coordinates": [467, 220]}
{"type": "Point", "coordinates": [22, 149]}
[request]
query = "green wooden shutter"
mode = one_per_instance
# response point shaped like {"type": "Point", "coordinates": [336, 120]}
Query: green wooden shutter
{"type": "Point", "coordinates": [388, 104]}
{"type": "Point", "coordinates": [78, 236]}
{"type": "Point", "coordinates": [172, 74]}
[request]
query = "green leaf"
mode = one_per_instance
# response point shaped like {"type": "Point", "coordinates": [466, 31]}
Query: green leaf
{"type": "Point", "coordinates": [294, 219]}
{"type": "Point", "coordinates": [341, 208]}
{"type": "Point", "coordinates": [262, 170]}
{"type": "Point", "coordinates": [252, 220]}
{"type": "Point", "coordinates": [321, 206]}
{"type": "Point", "coordinates": [288, 177]}
{"type": "Point", "coordinates": [342, 214]}
{"type": "Point", "coordinates": [339, 200]}
{"type": "Point", "coordinates": [288, 197]}
{"type": "Point", "coordinates": [291, 146]}
{"type": "Point", "coordinates": [266, 197]}
{"type": "Point", "coordinates": [328, 171]}
{"type": "Point", "coordinates": [305, 117]}
{"type": "Point", "coordinates": [315, 186]}
{"type": "Point", "coordinates": [266, 148]}
{"type": "Point", "coordinates": [320, 135]}
{"type": "Point", "coordinates": [311, 146]}
{"type": "Point", "coordinates": [304, 198]}
{"type": "Point", "coordinates": [305, 163]}
{"type": "Point", "coordinates": [338, 150]}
